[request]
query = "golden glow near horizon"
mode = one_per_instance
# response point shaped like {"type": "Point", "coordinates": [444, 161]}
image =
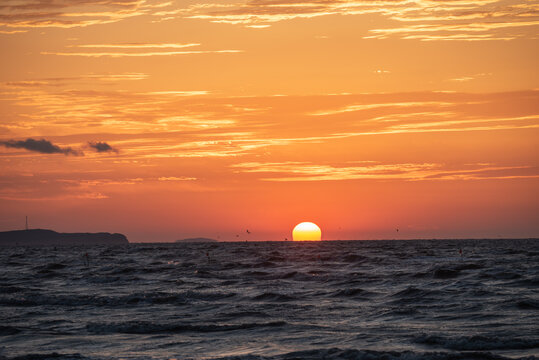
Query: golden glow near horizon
{"type": "Point", "coordinates": [177, 119]}
{"type": "Point", "coordinates": [306, 231]}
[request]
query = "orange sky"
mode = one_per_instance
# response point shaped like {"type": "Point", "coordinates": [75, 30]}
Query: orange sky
{"type": "Point", "coordinates": [174, 119]}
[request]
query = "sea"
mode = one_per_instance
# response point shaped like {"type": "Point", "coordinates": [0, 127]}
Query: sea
{"type": "Point", "coordinates": [405, 299]}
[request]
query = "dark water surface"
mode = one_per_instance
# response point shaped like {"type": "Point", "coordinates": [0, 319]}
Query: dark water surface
{"type": "Point", "coordinates": [273, 300]}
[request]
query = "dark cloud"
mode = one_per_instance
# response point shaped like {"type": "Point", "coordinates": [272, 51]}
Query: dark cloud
{"type": "Point", "coordinates": [41, 146]}
{"type": "Point", "coordinates": [102, 146]}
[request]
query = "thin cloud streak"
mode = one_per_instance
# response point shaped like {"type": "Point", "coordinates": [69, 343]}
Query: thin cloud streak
{"type": "Point", "coordinates": [301, 171]}
{"type": "Point", "coordinates": [175, 178]}
{"type": "Point", "coordinates": [90, 78]}
{"type": "Point", "coordinates": [359, 107]}
{"type": "Point", "coordinates": [135, 46]}
{"type": "Point", "coordinates": [467, 32]}
{"type": "Point", "coordinates": [11, 32]}
{"type": "Point", "coordinates": [141, 54]}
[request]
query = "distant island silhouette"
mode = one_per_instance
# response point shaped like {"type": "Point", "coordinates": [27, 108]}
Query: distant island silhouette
{"type": "Point", "coordinates": [43, 237]}
{"type": "Point", "coordinates": [198, 239]}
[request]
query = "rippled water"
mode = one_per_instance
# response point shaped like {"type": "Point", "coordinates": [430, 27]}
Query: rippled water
{"type": "Point", "coordinates": [273, 300]}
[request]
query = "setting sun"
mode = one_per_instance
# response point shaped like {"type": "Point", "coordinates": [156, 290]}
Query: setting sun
{"type": "Point", "coordinates": [307, 231]}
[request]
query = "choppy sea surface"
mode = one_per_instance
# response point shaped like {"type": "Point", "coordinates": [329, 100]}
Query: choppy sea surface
{"type": "Point", "coordinates": [413, 299]}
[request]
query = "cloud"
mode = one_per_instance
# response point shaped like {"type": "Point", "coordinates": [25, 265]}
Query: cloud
{"type": "Point", "coordinates": [360, 107]}
{"type": "Point", "coordinates": [10, 32]}
{"type": "Point", "coordinates": [140, 54]}
{"type": "Point", "coordinates": [178, 93]}
{"type": "Point", "coordinates": [101, 147]}
{"type": "Point", "coordinates": [186, 124]}
{"type": "Point", "coordinates": [41, 146]}
{"type": "Point", "coordinates": [423, 20]}
{"type": "Point", "coordinates": [175, 178]}
{"type": "Point", "coordinates": [224, 142]}
{"type": "Point", "coordinates": [461, 31]}
{"type": "Point", "coordinates": [69, 184]}
{"type": "Point", "coordinates": [27, 83]}
{"type": "Point", "coordinates": [304, 171]}
{"type": "Point", "coordinates": [69, 14]}
{"type": "Point", "coordinates": [81, 79]}
{"type": "Point", "coordinates": [137, 50]}
{"type": "Point", "coordinates": [469, 77]}
{"type": "Point", "coordinates": [461, 20]}
{"type": "Point", "coordinates": [136, 46]}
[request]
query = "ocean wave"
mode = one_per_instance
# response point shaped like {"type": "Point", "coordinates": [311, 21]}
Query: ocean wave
{"type": "Point", "coordinates": [504, 274]}
{"type": "Point", "coordinates": [47, 356]}
{"type": "Point", "coordinates": [528, 304]}
{"type": "Point", "coordinates": [271, 296]}
{"type": "Point", "coordinates": [288, 275]}
{"type": "Point", "coordinates": [446, 273]}
{"type": "Point", "coordinates": [452, 270]}
{"type": "Point", "coordinates": [255, 273]}
{"type": "Point", "coordinates": [353, 258]}
{"type": "Point", "coordinates": [352, 293]}
{"type": "Point", "coordinates": [15, 263]}
{"type": "Point", "coordinates": [234, 315]}
{"type": "Point", "coordinates": [180, 298]}
{"type": "Point", "coordinates": [10, 289]}
{"type": "Point", "coordinates": [353, 354]}
{"type": "Point", "coordinates": [336, 354]}
{"type": "Point", "coordinates": [314, 354]}
{"type": "Point", "coordinates": [478, 342]}
{"type": "Point", "coordinates": [144, 327]}
{"type": "Point", "coordinates": [265, 264]}
{"type": "Point", "coordinates": [8, 330]}
{"type": "Point", "coordinates": [54, 266]}
{"type": "Point", "coordinates": [413, 294]}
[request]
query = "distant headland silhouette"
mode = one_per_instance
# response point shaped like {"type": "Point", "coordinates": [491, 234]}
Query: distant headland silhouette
{"type": "Point", "coordinates": [43, 237]}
